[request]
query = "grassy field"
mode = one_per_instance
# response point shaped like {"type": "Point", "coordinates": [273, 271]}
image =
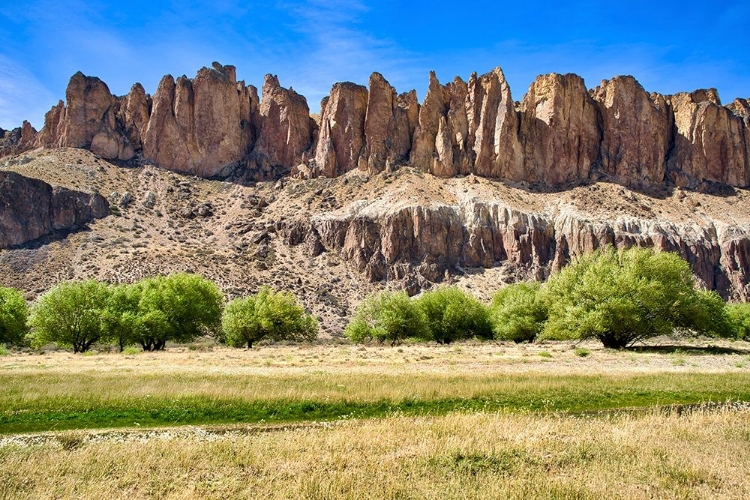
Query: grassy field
{"type": "Point", "coordinates": [472, 420]}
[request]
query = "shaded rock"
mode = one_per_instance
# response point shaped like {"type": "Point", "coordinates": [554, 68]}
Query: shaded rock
{"type": "Point", "coordinates": [31, 208]}
{"type": "Point", "coordinates": [389, 124]}
{"type": "Point", "coordinates": [18, 140]}
{"type": "Point", "coordinates": [149, 199]}
{"type": "Point", "coordinates": [286, 131]}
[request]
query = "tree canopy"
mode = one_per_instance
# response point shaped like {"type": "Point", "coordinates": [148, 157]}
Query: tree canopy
{"type": "Point", "coordinates": [387, 316]}
{"type": "Point", "coordinates": [13, 317]}
{"type": "Point", "coordinates": [452, 314]}
{"type": "Point", "coordinates": [621, 297]}
{"type": "Point", "coordinates": [70, 314]}
{"type": "Point", "coordinates": [266, 315]}
{"type": "Point", "coordinates": [518, 312]}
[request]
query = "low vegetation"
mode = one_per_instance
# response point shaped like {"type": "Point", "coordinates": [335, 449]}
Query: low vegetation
{"type": "Point", "coordinates": [700, 454]}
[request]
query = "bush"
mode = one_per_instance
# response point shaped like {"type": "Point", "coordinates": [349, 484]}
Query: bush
{"type": "Point", "coordinates": [70, 315]}
{"type": "Point", "coordinates": [518, 312]}
{"type": "Point", "coordinates": [452, 314]}
{"type": "Point", "coordinates": [739, 315]}
{"type": "Point", "coordinates": [266, 315]}
{"type": "Point", "coordinates": [387, 316]}
{"type": "Point", "coordinates": [623, 297]}
{"type": "Point", "coordinates": [13, 317]}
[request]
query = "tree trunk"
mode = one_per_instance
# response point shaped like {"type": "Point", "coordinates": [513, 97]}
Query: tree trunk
{"type": "Point", "coordinates": [249, 344]}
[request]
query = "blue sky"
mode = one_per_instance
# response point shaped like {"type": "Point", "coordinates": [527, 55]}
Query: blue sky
{"type": "Point", "coordinates": [668, 46]}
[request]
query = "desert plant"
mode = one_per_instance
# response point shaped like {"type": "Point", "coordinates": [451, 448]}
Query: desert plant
{"type": "Point", "coordinates": [518, 312]}
{"type": "Point", "coordinates": [452, 314]}
{"type": "Point", "coordinates": [266, 315]}
{"type": "Point", "coordinates": [13, 317]}
{"type": "Point", "coordinates": [70, 314]}
{"type": "Point", "coordinates": [621, 297]}
{"type": "Point", "coordinates": [387, 316]}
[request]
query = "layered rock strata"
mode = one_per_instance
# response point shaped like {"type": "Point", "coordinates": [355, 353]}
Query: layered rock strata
{"type": "Point", "coordinates": [422, 244]}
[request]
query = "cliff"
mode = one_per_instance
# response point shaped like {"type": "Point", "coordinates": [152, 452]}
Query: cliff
{"type": "Point", "coordinates": [560, 134]}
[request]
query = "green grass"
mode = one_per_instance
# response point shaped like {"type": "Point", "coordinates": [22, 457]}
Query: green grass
{"type": "Point", "coordinates": [27, 405]}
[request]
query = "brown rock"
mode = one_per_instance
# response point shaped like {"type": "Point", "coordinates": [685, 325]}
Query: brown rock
{"type": "Point", "coordinates": [32, 208]}
{"type": "Point", "coordinates": [136, 111]}
{"type": "Point", "coordinates": [201, 126]}
{"type": "Point", "coordinates": [342, 130]}
{"type": "Point", "coordinates": [709, 144]}
{"type": "Point", "coordinates": [389, 124]}
{"type": "Point", "coordinates": [287, 130]}
{"type": "Point", "coordinates": [560, 130]}
{"type": "Point", "coordinates": [18, 140]}
{"type": "Point", "coordinates": [636, 132]}
{"type": "Point", "coordinates": [493, 128]}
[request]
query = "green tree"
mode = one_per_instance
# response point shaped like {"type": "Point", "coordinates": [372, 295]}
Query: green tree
{"type": "Point", "coordinates": [387, 316]}
{"type": "Point", "coordinates": [626, 296]}
{"type": "Point", "coordinates": [70, 314]}
{"type": "Point", "coordinates": [518, 312]}
{"type": "Point", "coordinates": [739, 315]}
{"type": "Point", "coordinates": [120, 316]}
{"type": "Point", "coordinates": [14, 314]}
{"type": "Point", "coordinates": [266, 315]}
{"type": "Point", "coordinates": [177, 308]}
{"type": "Point", "coordinates": [452, 314]}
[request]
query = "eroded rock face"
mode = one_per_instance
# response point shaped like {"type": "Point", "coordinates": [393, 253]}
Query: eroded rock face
{"type": "Point", "coordinates": [636, 132]}
{"type": "Point", "coordinates": [18, 140]}
{"type": "Point", "coordinates": [389, 125]}
{"type": "Point", "coordinates": [32, 208]}
{"type": "Point", "coordinates": [561, 134]}
{"type": "Point", "coordinates": [424, 243]}
{"type": "Point", "coordinates": [88, 120]}
{"type": "Point", "coordinates": [710, 142]}
{"type": "Point", "coordinates": [341, 139]}
{"type": "Point", "coordinates": [201, 126]}
{"type": "Point", "coordinates": [560, 129]}
{"type": "Point", "coordinates": [287, 131]}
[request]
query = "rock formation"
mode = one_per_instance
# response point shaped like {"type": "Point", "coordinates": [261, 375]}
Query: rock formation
{"type": "Point", "coordinates": [561, 133]}
{"type": "Point", "coordinates": [342, 130]}
{"type": "Point", "coordinates": [420, 244]}
{"type": "Point", "coordinates": [636, 130]}
{"type": "Point", "coordinates": [30, 209]}
{"type": "Point", "coordinates": [18, 140]}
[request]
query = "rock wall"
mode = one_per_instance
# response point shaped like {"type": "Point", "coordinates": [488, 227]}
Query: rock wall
{"type": "Point", "coordinates": [30, 209]}
{"type": "Point", "coordinates": [420, 245]}
{"type": "Point", "coordinates": [560, 134]}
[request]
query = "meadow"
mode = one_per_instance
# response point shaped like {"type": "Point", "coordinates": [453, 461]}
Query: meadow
{"type": "Point", "coordinates": [468, 420]}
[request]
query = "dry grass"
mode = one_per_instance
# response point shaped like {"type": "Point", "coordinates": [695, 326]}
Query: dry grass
{"type": "Point", "coordinates": [699, 455]}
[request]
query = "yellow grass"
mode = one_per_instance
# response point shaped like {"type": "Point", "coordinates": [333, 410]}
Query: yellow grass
{"type": "Point", "coordinates": [700, 455]}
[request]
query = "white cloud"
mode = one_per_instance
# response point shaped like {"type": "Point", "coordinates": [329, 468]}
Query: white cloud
{"type": "Point", "coordinates": [22, 96]}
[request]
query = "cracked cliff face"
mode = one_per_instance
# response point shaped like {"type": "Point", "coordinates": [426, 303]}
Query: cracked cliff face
{"type": "Point", "coordinates": [560, 135]}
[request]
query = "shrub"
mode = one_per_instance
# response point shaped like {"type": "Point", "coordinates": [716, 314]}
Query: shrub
{"type": "Point", "coordinates": [518, 312]}
{"type": "Point", "coordinates": [581, 352]}
{"type": "Point", "coordinates": [266, 315]}
{"type": "Point", "coordinates": [622, 297]}
{"type": "Point", "coordinates": [70, 315]}
{"type": "Point", "coordinates": [739, 315]}
{"type": "Point", "coordinates": [13, 317]}
{"type": "Point", "coordinates": [452, 314]}
{"type": "Point", "coordinates": [387, 316]}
